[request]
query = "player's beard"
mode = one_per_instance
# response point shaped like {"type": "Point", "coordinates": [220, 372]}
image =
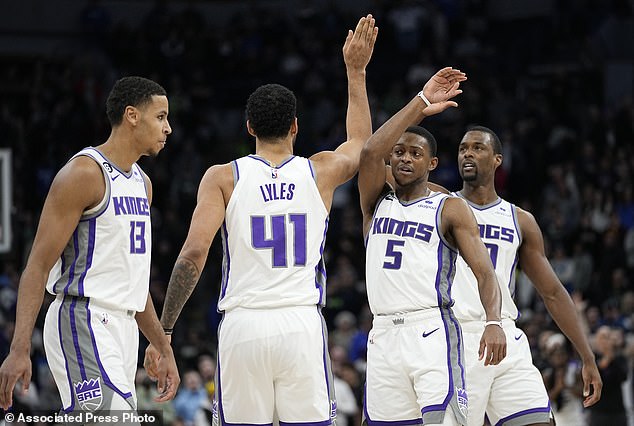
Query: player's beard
{"type": "Point", "coordinates": [469, 177]}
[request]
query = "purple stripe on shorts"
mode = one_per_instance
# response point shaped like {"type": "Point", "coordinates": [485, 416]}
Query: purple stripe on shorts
{"type": "Point", "coordinates": [73, 328]}
{"type": "Point", "coordinates": [523, 413]}
{"type": "Point", "coordinates": [102, 370]}
{"type": "Point", "coordinates": [61, 344]}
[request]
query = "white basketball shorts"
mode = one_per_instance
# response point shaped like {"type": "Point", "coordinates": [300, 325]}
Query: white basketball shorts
{"type": "Point", "coordinates": [415, 369]}
{"type": "Point", "coordinates": [273, 360]}
{"type": "Point", "coordinates": [92, 353]}
{"type": "Point", "coordinates": [511, 392]}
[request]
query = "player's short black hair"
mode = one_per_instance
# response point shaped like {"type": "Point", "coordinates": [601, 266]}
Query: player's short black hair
{"type": "Point", "coordinates": [497, 144]}
{"type": "Point", "coordinates": [271, 110]}
{"type": "Point", "coordinates": [426, 134]}
{"type": "Point", "coordinates": [130, 91]}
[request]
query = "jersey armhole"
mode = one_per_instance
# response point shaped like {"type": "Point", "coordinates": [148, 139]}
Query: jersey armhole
{"type": "Point", "coordinates": [441, 206]}
{"type": "Point", "coordinates": [516, 222]}
{"type": "Point", "coordinates": [236, 172]}
{"type": "Point", "coordinates": [312, 169]}
{"type": "Point", "coordinates": [101, 206]}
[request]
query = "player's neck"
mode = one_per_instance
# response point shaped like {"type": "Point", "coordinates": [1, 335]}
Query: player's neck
{"type": "Point", "coordinates": [275, 151]}
{"type": "Point", "coordinates": [412, 191]}
{"type": "Point", "coordinates": [479, 194]}
{"type": "Point", "coordinates": [117, 151]}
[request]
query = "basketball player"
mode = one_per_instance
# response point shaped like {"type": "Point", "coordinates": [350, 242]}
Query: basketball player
{"type": "Point", "coordinates": [415, 368]}
{"type": "Point", "coordinates": [273, 208]}
{"type": "Point", "coordinates": [96, 225]}
{"type": "Point", "coordinates": [512, 392]}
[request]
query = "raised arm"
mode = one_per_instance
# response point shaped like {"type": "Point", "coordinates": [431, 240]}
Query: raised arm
{"type": "Point", "coordinates": [460, 227]}
{"type": "Point", "coordinates": [535, 264]}
{"type": "Point", "coordinates": [335, 168]}
{"type": "Point", "coordinates": [439, 90]}
{"type": "Point", "coordinates": [78, 186]}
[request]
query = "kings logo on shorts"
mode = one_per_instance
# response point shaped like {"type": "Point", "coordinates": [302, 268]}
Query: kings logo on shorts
{"type": "Point", "coordinates": [462, 399]}
{"type": "Point", "coordinates": [89, 394]}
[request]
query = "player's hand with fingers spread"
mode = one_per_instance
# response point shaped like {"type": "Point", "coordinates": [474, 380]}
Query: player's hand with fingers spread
{"type": "Point", "coordinates": [492, 345]}
{"type": "Point", "coordinates": [15, 367]}
{"type": "Point", "coordinates": [357, 50]}
{"type": "Point", "coordinates": [591, 382]}
{"type": "Point", "coordinates": [441, 88]}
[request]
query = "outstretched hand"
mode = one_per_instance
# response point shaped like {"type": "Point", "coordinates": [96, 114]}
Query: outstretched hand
{"type": "Point", "coordinates": [441, 88]}
{"type": "Point", "coordinates": [357, 50]}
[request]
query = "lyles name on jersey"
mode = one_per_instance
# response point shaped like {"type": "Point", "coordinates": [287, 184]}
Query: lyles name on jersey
{"type": "Point", "coordinates": [277, 191]}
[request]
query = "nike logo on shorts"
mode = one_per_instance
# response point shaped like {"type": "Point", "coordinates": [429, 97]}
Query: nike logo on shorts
{"type": "Point", "coordinates": [518, 337]}
{"type": "Point", "coordinates": [427, 333]}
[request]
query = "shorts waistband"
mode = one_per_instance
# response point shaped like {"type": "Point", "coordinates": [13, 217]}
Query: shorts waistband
{"type": "Point", "coordinates": [477, 326]}
{"type": "Point", "coordinates": [121, 312]}
{"type": "Point", "coordinates": [404, 318]}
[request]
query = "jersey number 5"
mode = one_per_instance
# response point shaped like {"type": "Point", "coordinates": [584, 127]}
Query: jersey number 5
{"type": "Point", "coordinates": [277, 242]}
{"type": "Point", "coordinates": [391, 251]}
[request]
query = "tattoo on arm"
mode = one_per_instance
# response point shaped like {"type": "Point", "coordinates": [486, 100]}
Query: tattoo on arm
{"type": "Point", "coordinates": [182, 282]}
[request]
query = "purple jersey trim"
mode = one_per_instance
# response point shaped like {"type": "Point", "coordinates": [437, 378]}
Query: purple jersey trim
{"type": "Point", "coordinates": [92, 226]}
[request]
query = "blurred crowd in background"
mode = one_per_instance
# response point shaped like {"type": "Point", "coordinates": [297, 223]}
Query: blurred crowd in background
{"type": "Point", "coordinates": [555, 84]}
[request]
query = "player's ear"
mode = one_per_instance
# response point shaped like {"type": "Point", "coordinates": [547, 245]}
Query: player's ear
{"type": "Point", "coordinates": [250, 130]}
{"type": "Point", "coordinates": [499, 158]}
{"type": "Point", "coordinates": [433, 163]}
{"type": "Point", "coordinates": [131, 115]}
{"type": "Point", "coordinates": [294, 127]}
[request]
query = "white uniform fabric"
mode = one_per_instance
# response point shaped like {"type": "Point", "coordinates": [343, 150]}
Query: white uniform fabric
{"type": "Point", "coordinates": [94, 362]}
{"type": "Point", "coordinates": [501, 236]}
{"type": "Point", "coordinates": [512, 392]}
{"type": "Point", "coordinates": [101, 281]}
{"type": "Point", "coordinates": [409, 270]}
{"type": "Point", "coordinates": [415, 372]}
{"type": "Point", "coordinates": [272, 344]}
{"type": "Point", "coordinates": [409, 266]}
{"type": "Point", "coordinates": [108, 256]}
{"type": "Point", "coordinates": [273, 236]}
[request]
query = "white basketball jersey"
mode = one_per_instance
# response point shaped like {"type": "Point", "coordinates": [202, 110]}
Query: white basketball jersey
{"type": "Point", "coordinates": [273, 236]}
{"type": "Point", "coordinates": [409, 265]}
{"type": "Point", "coordinates": [108, 255]}
{"type": "Point", "coordinates": [500, 233]}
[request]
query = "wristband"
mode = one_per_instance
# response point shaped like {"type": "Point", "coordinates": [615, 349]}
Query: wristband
{"type": "Point", "coordinates": [498, 323]}
{"type": "Point", "coordinates": [168, 331]}
{"type": "Point", "coordinates": [422, 96]}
